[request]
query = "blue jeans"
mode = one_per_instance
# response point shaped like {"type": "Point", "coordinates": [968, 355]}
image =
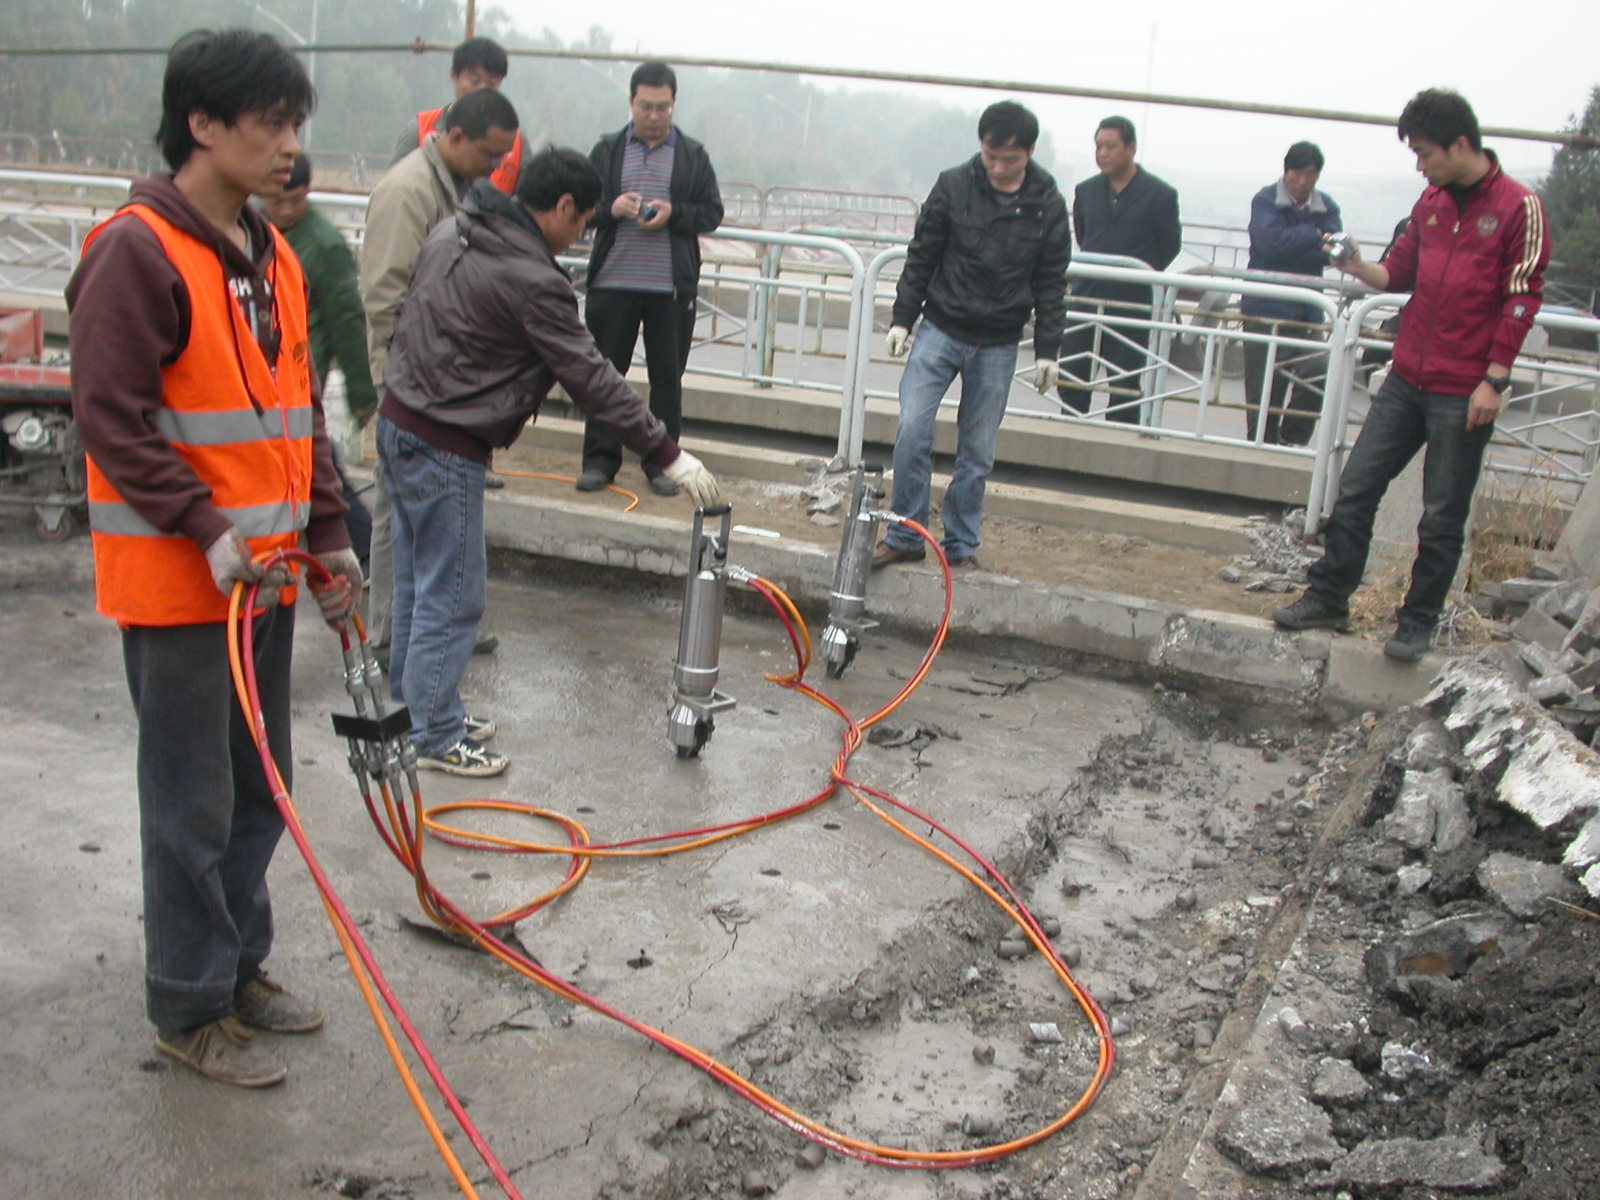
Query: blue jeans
{"type": "Point", "coordinates": [1403, 420]}
{"type": "Point", "coordinates": [441, 574]}
{"type": "Point", "coordinates": [208, 825]}
{"type": "Point", "coordinates": [985, 371]}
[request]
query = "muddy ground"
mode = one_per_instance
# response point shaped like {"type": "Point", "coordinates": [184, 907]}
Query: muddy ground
{"type": "Point", "coordinates": [1207, 864]}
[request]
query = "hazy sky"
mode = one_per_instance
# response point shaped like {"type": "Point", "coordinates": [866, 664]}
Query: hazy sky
{"type": "Point", "coordinates": [1526, 65]}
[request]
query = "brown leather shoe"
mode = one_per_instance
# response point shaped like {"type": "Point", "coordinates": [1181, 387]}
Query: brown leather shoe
{"type": "Point", "coordinates": [966, 564]}
{"type": "Point", "coordinates": [225, 1051]}
{"type": "Point", "coordinates": [264, 1004]}
{"type": "Point", "coordinates": [886, 554]}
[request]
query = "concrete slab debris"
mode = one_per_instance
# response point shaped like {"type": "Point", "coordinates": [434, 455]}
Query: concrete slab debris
{"type": "Point", "coordinates": [1449, 1164]}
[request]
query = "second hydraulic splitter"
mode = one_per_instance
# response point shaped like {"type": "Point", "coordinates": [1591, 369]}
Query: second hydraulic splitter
{"type": "Point", "coordinates": [695, 698]}
{"type": "Point", "coordinates": [847, 603]}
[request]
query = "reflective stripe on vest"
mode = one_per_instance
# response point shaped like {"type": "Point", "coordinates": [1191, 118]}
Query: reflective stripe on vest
{"type": "Point", "coordinates": [264, 521]}
{"type": "Point", "coordinates": [244, 427]}
{"type": "Point", "coordinates": [505, 176]}
{"type": "Point", "coordinates": [227, 428]}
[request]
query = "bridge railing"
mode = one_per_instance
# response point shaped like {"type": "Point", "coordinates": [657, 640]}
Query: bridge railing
{"type": "Point", "coordinates": [803, 309]}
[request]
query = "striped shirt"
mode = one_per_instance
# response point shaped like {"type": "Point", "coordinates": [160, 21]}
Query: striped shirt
{"type": "Point", "coordinates": [641, 261]}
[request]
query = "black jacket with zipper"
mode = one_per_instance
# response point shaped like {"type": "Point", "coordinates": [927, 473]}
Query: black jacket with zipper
{"type": "Point", "coordinates": [980, 264]}
{"type": "Point", "coordinates": [696, 205]}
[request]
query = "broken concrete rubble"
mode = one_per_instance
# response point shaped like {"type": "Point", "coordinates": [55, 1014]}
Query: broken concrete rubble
{"type": "Point", "coordinates": [1447, 1163]}
{"type": "Point", "coordinates": [1278, 1134]}
{"type": "Point", "coordinates": [1522, 885]}
{"type": "Point", "coordinates": [1537, 767]}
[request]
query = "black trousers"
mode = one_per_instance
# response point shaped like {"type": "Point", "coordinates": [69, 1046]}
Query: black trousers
{"type": "Point", "coordinates": [615, 317]}
{"type": "Point", "coordinates": [1077, 343]}
{"type": "Point", "coordinates": [1292, 407]}
{"type": "Point", "coordinates": [1404, 419]}
{"type": "Point", "coordinates": [207, 822]}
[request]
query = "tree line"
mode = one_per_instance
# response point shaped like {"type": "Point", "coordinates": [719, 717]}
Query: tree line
{"type": "Point", "coordinates": [761, 128]}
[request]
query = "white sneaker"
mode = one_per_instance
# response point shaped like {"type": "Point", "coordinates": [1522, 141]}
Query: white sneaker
{"type": "Point", "coordinates": [465, 758]}
{"type": "Point", "coordinates": [480, 729]}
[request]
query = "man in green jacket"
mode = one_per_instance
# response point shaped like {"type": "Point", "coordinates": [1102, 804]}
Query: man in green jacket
{"type": "Point", "coordinates": [338, 325]}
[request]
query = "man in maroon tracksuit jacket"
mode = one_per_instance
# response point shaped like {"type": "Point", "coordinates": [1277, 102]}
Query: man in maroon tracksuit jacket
{"type": "Point", "coordinates": [1473, 259]}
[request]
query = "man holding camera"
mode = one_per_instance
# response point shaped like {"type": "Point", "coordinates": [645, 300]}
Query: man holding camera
{"type": "Point", "coordinates": [660, 196]}
{"type": "Point", "coordinates": [1473, 259]}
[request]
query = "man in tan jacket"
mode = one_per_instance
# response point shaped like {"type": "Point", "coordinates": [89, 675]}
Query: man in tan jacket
{"type": "Point", "coordinates": [417, 193]}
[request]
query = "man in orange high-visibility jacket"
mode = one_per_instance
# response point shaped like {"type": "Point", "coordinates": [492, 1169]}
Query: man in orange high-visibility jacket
{"type": "Point", "coordinates": [195, 397]}
{"type": "Point", "coordinates": [478, 62]}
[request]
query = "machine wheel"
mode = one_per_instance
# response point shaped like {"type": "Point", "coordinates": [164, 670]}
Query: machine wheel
{"type": "Point", "coordinates": [59, 531]}
{"type": "Point", "coordinates": [702, 735]}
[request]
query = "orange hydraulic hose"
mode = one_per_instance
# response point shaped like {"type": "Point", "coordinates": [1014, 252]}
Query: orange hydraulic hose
{"type": "Point", "coordinates": [404, 837]}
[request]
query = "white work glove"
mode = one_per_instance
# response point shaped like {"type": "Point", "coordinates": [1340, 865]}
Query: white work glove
{"type": "Point", "coordinates": [339, 598]}
{"type": "Point", "coordinates": [895, 343]}
{"type": "Point", "coordinates": [1046, 374]}
{"type": "Point", "coordinates": [689, 473]}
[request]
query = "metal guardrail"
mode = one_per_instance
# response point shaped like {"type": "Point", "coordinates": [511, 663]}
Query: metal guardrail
{"type": "Point", "coordinates": [800, 308]}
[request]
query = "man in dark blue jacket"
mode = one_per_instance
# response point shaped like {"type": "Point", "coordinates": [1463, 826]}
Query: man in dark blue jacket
{"type": "Point", "coordinates": [1290, 222]}
{"type": "Point", "coordinates": [990, 250]}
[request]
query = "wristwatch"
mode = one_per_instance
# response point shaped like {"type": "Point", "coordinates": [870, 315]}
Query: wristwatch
{"type": "Point", "coordinates": [1500, 385]}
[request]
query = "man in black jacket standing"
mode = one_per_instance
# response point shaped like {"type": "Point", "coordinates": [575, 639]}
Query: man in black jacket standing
{"type": "Point", "coordinates": [660, 196]}
{"type": "Point", "coordinates": [990, 250]}
{"type": "Point", "coordinates": [1128, 211]}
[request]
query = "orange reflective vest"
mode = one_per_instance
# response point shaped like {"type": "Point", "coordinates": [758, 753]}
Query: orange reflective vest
{"type": "Point", "coordinates": [244, 428]}
{"type": "Point", "coordinates": [505, 175]}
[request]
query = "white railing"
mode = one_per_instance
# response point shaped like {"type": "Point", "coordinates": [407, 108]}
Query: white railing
{"type": "Point", "coordinates": [801, 308]}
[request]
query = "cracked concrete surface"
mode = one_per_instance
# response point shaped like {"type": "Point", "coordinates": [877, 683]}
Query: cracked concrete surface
{"type": "Point", "coordinates": [825, 957]}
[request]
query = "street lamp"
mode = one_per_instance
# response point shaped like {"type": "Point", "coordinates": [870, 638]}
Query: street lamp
{"type": "Point", "coordinates": [311, 55]}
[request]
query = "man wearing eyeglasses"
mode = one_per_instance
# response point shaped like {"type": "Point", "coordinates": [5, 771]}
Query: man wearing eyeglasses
{"type": "Point", "coordinates": [660, 196]}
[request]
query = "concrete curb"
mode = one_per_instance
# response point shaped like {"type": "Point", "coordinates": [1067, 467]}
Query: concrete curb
{"type": "Point", "coordinates": [1315, 672]}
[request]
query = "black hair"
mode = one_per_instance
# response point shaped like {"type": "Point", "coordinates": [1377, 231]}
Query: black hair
{"type": "Point", "coordinates": [1440, 116]}
{"type": "Point", "coordinates": [653, 74]}
{"type": "Point", "coordinates": [1302, 155]}
{"type": "Point", "coordinates": [226, 75]}
{"type": "Point", "coordinates": [558, 171]}
{"type": "Point", "coordinates": [1008, 123]}
{"type": "Point", "coordinates": [299, 174]}
{"type": "Point", "coordinates": [1122, 127]}
{"type": "Point", "coordinates": [478, 112]}
{"type": "Point", "coordinates": [479, 52]}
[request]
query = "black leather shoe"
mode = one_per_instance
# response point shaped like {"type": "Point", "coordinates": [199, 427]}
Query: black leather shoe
{"type": "Point", "coordinates": [1308, 612]}
{"type": "Point", "coordinates": [1408, 644]}
{"type": "Point", "coordinates": [662, 486]}
{"type": "Point", "coordinates": [886, 554]}
{"type": "Point", "coordinates": [592, 481]}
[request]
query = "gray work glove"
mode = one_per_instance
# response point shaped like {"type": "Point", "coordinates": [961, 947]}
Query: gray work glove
{"type": "Point", "coordinates": [689, 473]}
{"type": "Point", "coordinates": [339, 598]}
{"type": "Point", "coordinates": [1046, 374]}
{"type": "Point", "coordinates": [229, 560]}
{"type": "Point", "coordinates": [895, 343]}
